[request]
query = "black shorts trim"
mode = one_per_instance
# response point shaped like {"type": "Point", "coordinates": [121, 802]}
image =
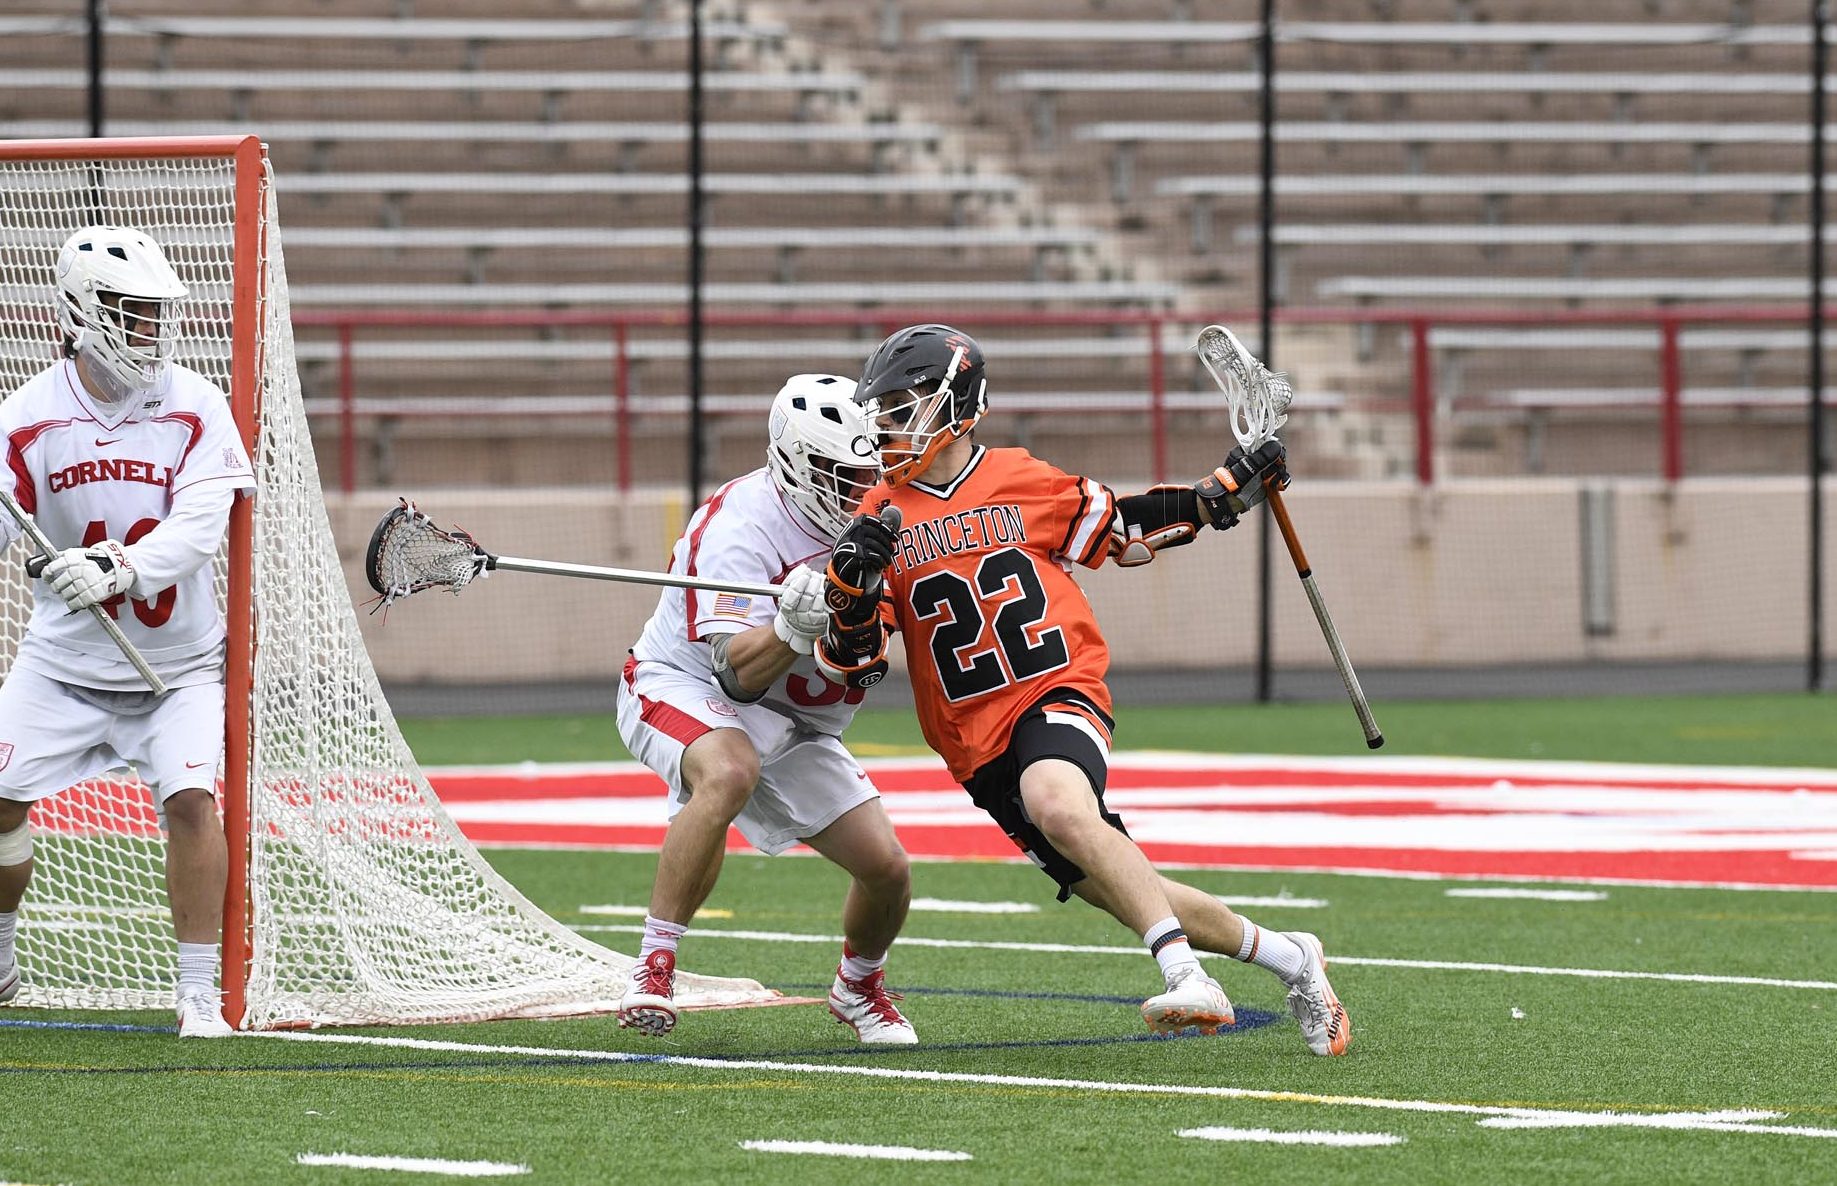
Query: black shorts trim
{"type": "Point", "coordinates": [996, 786]}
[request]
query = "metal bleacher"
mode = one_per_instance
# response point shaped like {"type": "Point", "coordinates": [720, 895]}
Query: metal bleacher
{"type": "Point", "coordinates": [1010, 155]}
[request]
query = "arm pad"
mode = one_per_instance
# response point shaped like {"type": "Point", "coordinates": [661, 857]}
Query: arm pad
{"type": "Point", "coordinates": [1162, 517]}
{"type": "Point", "coordinates": [726, 676]}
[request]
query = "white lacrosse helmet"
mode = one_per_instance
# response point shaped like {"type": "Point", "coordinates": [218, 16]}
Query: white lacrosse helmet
{"type": "Point", "coordinates": [98, 270]}
{"type": "Point", "coordinates": [821, 450]}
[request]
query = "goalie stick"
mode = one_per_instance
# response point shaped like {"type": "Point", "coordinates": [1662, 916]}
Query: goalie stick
{"type": "Point", "coordinates": [409, 553]}
{"type": "Point", "coordinates": [46, 550]}
{"type": "Point", "coordinates": [1259, 406]}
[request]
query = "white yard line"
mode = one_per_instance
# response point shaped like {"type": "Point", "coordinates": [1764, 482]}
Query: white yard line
{"type": "Point", "coordinates": [1349, 960]}
{"type": "Point", "coordinates": [1278, 900]}
{"type": "Point", "coordinates": [1533, 895]}
{"type": "Point", "coordinates": [415, 1165]}
{"type": "Point", "coordinates": [614, 911]}
{"type": "Point", "coordinates": [1719, 1120]}
{"type": "Point", "coordinates": [876, 1152]}
{"type": "Point", "coordinates": [946, 906]}
{"type": "Point", "coordinates": [1345, 1140]}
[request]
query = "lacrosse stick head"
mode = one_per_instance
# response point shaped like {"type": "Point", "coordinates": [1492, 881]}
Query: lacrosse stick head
{"type": "Point", "coordinates": [1258, 399]}
{"type": "Point", "coordinates": [408, 553]}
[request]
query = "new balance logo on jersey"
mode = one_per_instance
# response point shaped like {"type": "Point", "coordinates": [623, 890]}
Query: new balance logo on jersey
{"type": "Point", "coordinates": [111, 470]}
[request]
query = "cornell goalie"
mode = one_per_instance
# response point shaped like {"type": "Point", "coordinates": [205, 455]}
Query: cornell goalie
{"type": "Point", "coordinates": [129, 463]}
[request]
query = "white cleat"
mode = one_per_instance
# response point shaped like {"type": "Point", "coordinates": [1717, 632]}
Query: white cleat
{"type": "Point", "coordinates": [201, 1016]}
{"type": "Point", "coordinates": [1192, 999]}
{"type": "Point", "coordinates": [866, 1007]}
{"type": "Point", "coordinates": [9, 983]}
{"type": "Point", "coordinates": [649, 1005]}
{"type": "Point", "coordinates": [1311, 999]}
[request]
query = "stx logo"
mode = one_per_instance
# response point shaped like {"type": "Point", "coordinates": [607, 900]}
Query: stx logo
{"type": "Point", "coordinates": [110, 470]}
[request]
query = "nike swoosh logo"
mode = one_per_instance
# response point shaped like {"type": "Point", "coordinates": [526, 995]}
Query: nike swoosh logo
{"type": "Point", "coordinates": [196, 765]}
{"type": "Point", "coordinates": [100, 443]}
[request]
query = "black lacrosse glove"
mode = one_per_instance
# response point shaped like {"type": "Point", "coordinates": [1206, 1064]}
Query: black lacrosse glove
{"type": "Point", "coordinates": [854, 655]}
{"type": "Point", "coordinates": [1242, 482]}
{"type": "Point", "coordinates": [861, 555]}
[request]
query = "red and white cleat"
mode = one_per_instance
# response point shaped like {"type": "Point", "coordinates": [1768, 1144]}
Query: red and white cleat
{"type": "Point", "coordinates": [648, 1006]}
{"type": "Point", "coordinates": [1192, 999]}
{"type": "Point", "coordinates": [1311, 999]}
{"type": "Point", "coordinates": [866, 1007]}
{"type": "Point", "coordinates": [9, 983]}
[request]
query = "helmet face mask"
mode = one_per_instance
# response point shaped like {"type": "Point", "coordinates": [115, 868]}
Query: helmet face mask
{"type": "Point", "coordinates": [820, 449]}
{"type": "Point", "coordinates": [119, 305]}
{"type": "Point", "coordinates": [924, 387]}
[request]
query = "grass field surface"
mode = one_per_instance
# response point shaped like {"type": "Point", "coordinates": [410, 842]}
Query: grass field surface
{"type": "Point", "coordinates": [1606, 1034]}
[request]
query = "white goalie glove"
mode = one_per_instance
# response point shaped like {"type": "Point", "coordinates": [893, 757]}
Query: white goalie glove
{"type": "Point", "coordinates": [802, 615]}
{"type": "Point", "coordinates": [89, 576]}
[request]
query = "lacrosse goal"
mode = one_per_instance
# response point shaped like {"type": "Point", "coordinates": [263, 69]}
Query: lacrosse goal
{"type": "Point", "coordinates": [353, 899]}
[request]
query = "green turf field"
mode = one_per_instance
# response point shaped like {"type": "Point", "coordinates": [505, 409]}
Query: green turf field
{"type": "Point", "coordinates": [1034, 1063]}
{"type": "Point", "coordinates": [1773, 730]}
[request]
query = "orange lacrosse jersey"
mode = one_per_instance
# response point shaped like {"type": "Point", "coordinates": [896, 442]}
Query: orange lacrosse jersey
{"type": "Point", "coordinates": [982, 592]}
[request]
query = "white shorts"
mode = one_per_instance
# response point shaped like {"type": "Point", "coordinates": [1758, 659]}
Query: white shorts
{"type": "Point", "coordinates": [53, 736]}
{"type": "Point", "coordinates": [807, 780]}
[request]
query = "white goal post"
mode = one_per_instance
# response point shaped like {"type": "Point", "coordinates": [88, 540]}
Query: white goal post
{"type": "Point", "coordinates": [353, 899]}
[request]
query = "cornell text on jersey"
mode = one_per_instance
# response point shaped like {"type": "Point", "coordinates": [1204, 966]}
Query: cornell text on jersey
{"type": "Point", "coordinates": [113, 469]}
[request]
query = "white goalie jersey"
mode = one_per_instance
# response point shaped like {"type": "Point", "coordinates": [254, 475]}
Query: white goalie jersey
{"type": "Point", "coordinates": [157, 474]}
{"type": "Point", "coordinates": [745, 532]}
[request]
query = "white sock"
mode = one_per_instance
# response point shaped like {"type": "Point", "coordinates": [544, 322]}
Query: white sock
{"type": "Point", "coordinates": [660, 935]}
{"type": "Point", "coordinates": [9, 922]}
{"type": "Point", "coordinates": [197, 967]}
{"type": "Point", "coordinates": [1272, 950]}
{"type": "Point", "coordinates": [1167, 943]}
{"type": "Point", "coordinates": [859, 967]}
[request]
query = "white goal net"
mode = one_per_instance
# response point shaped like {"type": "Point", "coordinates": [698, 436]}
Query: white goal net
{"type": "Point", "coordinates": [354, 899]}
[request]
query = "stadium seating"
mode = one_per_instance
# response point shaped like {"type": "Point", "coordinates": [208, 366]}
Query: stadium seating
{"type": "Point", "coordinates": [1008, 155]}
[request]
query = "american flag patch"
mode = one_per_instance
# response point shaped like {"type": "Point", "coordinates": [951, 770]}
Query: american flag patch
{"type": "Point", "coordinates": [732, 604]}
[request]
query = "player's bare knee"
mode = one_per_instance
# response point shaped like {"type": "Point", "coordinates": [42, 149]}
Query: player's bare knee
{"type": "Point", "coordinates": [889, 874]}
{"type": "Point", "coordinates": [13, 814]}
{"type": "Point", "coordinates": [192, 811]}
{"type": "Point", "coordinates": [722, 786]}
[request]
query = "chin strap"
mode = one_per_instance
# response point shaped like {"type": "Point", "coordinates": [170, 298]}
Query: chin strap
{"type": "Point", "coordinates": [104, 383]}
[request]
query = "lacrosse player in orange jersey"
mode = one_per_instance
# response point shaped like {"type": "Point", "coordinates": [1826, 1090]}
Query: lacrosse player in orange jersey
{"type": "Point", "coordinates": [1007, 663]}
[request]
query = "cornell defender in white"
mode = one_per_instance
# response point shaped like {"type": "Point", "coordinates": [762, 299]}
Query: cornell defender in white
{"type": "Point", "coordinates": [721, 697]}
{"type": "Point", "coordinates": [129, 463]}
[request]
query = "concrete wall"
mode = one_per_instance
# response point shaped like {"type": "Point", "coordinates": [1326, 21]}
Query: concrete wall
{"type": "Point", "coordinates": [1471, 573]}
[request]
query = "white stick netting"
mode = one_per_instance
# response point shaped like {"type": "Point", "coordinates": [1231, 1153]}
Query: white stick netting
{"type": "Point", "coordinates": [369, 907]}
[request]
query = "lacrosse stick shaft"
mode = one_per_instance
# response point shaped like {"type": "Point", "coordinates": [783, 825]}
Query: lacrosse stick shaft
{"type": "Point", "coordinates": [631, 576]}
{"type": "Point", "coordinates": [1373, 736]}
{"type": "Point", "coordinates": [47, 550]}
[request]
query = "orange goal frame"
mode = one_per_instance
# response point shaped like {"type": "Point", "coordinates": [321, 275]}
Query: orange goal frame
{"type": "Point", "coordinates": [249, 249]}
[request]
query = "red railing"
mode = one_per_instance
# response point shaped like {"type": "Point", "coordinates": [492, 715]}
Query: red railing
{"type": "Point", "coordinates": [1668, 320]}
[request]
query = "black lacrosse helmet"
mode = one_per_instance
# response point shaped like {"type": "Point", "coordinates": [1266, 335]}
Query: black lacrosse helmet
{"type": "Point", "coordinates": [929, 380]}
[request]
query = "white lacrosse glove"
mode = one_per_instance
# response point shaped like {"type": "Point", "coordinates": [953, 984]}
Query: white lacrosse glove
{"type": "Point", "coordinates": [89, 576]}
{"type": "Point", "coordinates": [802, 616]}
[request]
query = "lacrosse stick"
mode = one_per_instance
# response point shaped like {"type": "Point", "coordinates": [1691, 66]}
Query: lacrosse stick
{"type": "Point", "coordinates": [1259, 406]}
{"type": "Point", "coordinates": [409, 552]}
{"type": "Point", "coordinates": [46, 550]}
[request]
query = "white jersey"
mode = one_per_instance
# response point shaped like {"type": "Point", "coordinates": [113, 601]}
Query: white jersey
{"type": "Point", "coordinates": [745, 532]}
{"type": "Point", "coordinates": [158, 474]}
